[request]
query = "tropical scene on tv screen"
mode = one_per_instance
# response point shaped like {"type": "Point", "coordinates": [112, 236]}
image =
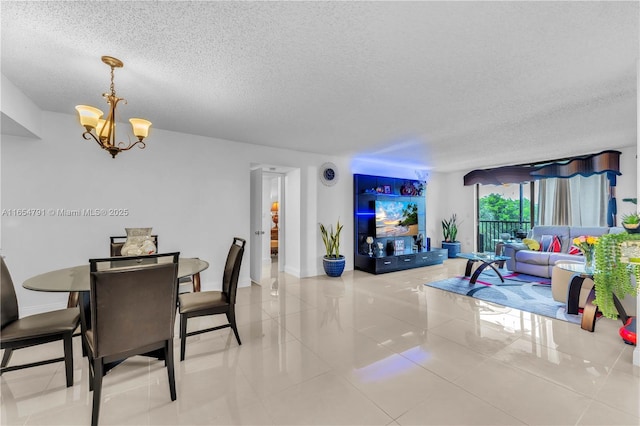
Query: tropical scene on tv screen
{"type": "Point", "coordinates": [396, 218]}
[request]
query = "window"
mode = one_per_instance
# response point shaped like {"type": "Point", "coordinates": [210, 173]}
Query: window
{"type": "Point", "coordinates": [503, 209]}
{"type": "Point", "coordinates": [576, 201]}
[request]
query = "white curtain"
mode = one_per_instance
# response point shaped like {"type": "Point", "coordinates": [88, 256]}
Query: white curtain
{"type": "Point", "coordinates": [576, 201]}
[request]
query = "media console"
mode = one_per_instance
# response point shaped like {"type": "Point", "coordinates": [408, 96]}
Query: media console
{"type": "Point", "coordinates": [389, 225]}
{"type": "Point", "coordinates": [399, 262]}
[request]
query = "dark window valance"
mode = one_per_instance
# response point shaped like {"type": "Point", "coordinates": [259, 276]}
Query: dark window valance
{"type": "Point", "coordinates": [585, 165]}
{"type": "Point", "coordinates": [603, 162]}
{"type": "Point", "coordinates": [499, 175]}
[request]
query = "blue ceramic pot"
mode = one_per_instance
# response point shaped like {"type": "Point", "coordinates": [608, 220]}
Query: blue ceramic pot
{"type": "Point", "coordinates": [453, 248]}
{"type": "Point", "coordinates": [333, 267]}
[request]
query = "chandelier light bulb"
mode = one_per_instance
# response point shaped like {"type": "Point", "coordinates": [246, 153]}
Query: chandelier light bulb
{"type": "Point", "coordinates": [89, 116]}
{"type": "Point", "coordinates": [140, 127]}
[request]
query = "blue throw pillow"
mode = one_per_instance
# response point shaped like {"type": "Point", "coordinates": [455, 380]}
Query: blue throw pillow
{"type": "Point", "coordinates": [551, 243]}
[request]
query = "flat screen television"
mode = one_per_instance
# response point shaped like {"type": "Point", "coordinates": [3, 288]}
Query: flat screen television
{"type": "Point", "coordinates": [396, 218]}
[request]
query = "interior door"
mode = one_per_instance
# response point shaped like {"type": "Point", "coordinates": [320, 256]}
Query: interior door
{"type": "Point", "coordinates": [255, 270]}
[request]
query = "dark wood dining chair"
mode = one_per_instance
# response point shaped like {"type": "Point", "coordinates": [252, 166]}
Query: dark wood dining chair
{"type": "Point", "coordinates": [206, 303]}
{"type": "Point", "coordinates": [18, 333]}
{"type": "Point", "coordinates": [132, 312]}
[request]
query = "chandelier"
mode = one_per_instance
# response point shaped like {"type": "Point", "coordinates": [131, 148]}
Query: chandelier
{"type": "Point", "coordinates": [104, 131]}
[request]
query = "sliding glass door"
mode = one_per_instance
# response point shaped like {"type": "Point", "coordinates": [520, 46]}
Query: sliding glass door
{"type": "Point", "coordinates": [504, 212]}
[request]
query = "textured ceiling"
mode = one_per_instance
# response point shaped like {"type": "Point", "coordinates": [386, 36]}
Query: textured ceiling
{"type": "Point", "coordinates": [441, 85]}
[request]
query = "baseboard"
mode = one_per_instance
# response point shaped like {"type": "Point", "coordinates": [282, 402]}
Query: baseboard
{"type": "Point", "coordinates": [292, 271]}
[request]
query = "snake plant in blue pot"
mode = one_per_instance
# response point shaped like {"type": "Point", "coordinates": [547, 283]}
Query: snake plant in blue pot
{"type": "Point", "coordinates": [450, 233]}
{"type": "Point", "coordinates": [333, 262]}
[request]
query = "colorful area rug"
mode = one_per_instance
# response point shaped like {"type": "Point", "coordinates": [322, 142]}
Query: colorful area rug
{"type": "Point", "coordinates": [524, 292]}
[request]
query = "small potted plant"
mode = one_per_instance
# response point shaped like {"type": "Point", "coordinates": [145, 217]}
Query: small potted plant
{"type": "Point", "coordinates": [333, 262]}
{"type": "Point", "coordinates": [450, 233]}
{"type": "Point", "coordinates": [631, 222]}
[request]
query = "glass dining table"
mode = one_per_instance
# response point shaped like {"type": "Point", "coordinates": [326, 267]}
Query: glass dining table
{"type": "Point", "coordinates": [77, 278]}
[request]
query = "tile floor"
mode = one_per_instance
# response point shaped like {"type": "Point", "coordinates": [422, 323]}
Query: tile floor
{"type": "Point", "coordinates": [360, 349]}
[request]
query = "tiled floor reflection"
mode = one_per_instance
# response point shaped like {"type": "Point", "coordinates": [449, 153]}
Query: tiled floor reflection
{"type": "Point", "coordinates": [360, 349]}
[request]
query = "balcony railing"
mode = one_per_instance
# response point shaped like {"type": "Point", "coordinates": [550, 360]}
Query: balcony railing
{"type": "Point", "coordinates": [489, 232]}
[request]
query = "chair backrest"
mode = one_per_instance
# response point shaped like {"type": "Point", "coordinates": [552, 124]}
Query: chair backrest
{"type": "Point", "coordinates": [9, 308]}
{"type": "Point", "coordinates": [132, 306]}
{"type": "Point", "coordinates": [232, 269]}
{"type": "Point", "coordinates": [116, 244]}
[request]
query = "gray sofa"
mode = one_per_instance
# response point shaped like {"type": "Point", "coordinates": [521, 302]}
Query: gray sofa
{"type": "Point", "coordinates": [540, 263]}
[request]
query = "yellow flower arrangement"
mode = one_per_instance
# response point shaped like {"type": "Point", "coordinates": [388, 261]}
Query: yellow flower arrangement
{"type": "Point", "coordinates": [585, 243]}
{"type": "Point", "coordinates": [588, 246]}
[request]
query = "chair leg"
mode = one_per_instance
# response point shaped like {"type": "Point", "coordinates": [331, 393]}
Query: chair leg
{"type": "Point", "coordinates": [68, 358]}
{"type": "Point", "coordinates": [168, 354]}
{"type": "Point", "coordinates": [97, 390]}
{"type": "Point", "coordinates": [231, 316]}
{"type": "Point", "coordinates": [92, 371]}
{"type": "Point", "coordinates": [6, 357]}
{"type": "Point", "coordinates": [183, 335]}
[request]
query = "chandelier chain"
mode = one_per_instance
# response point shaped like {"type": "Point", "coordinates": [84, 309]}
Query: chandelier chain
{"type": "Point", "coordinates": [112, 87]}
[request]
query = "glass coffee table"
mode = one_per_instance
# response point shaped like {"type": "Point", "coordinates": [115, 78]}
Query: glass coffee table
{"type": "Point", "coordinates": [486, 259]}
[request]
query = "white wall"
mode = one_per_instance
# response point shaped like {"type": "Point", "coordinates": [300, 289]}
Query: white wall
{"type": "Point", "coordinates": [446, 194]}
{"type": "Point", "coordinates": [19, 110]}
{"type": "Point", "coordinates": [292, 212]}
{"type": "Point", "coordinates": [337, 205]}
{"type": "Point", "coordinates": [193, 191]}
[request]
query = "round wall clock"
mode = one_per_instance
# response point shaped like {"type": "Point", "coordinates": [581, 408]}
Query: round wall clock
{"type": "Point", "coordinates": [328, 174]}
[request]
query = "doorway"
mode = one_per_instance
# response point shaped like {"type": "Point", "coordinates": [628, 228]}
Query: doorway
{"type": "Point", "coordinates": [273, 186]}
{"type": "Point", "coordinates": [268, 222]}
